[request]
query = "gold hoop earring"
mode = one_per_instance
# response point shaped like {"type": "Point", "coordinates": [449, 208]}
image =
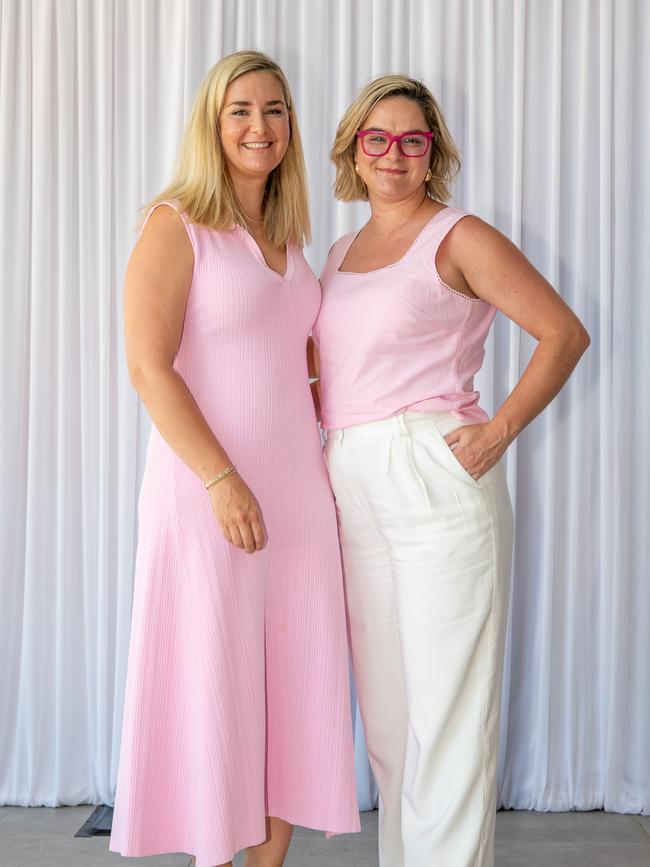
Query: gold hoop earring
{"type": "Point", "coordinates": [428, 176]}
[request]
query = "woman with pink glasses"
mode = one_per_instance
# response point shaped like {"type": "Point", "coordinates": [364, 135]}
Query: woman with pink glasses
{"type": "Point", "coordinates": [425, 520]}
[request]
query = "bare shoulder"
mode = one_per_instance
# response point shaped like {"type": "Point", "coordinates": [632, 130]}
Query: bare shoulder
{"type": "Point", "coordinates": [165, 228]}
{"type": "Point", "coordinates": [163, 251]}
{"type": "Point", "coordinates": [471, 236]}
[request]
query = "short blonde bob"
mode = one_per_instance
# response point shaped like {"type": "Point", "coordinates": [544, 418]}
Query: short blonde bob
{"type": "Point", "coordinates": [201, 186]}
{"type": "Point", "coordinates": [444, 157]}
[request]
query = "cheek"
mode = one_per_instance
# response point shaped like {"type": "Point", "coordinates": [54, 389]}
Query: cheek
{"type": "Point", "coordinates": [229, 147]}
{"type": "Point", "coordinates": [363, 160]}
{"type": "Point", "coordinates": [227, 135]}
{"type": "Point", "coordinates": [361, 157]}
{"type": "Point", "coordinates": [282, 135]}
{"type": "Point", "coordinates": [284, 132]}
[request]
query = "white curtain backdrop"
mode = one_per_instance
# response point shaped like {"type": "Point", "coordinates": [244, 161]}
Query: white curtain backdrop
{"type": "Point", "coordinates": [548, 101]}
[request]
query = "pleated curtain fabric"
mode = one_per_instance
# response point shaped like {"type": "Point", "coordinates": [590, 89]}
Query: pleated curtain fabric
{"type": "Point", "coordinates": [547, 100]}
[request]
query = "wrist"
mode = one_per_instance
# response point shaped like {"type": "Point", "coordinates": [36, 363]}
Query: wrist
{"type": "Point", "coordinates": [503, 428]}
{"type": "Point", "coordinates": [219, 477]}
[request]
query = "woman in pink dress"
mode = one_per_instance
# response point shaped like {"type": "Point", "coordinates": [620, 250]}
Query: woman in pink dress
{"type": "Point", "coordinates": [424, 513]}
{"type": "Point", "coordinates": [237, 716]}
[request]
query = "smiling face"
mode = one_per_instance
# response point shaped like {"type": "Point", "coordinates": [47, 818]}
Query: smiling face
{"type": "Point", "coordinates": [393, 176]}
{"type": "Point", "coordinates": [254, 125]}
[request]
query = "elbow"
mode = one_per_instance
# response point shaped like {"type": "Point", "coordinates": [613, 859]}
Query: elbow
{"type": "Point", "coordinates": [573, 337]}
{"type": "Point", "coordinates": [569, 342]}
{"type": "Point", "coordinates": [143, 375]}
{"type": "Point", "coordinates": [137, 375]}
{"type": "Point", "coordinates": [580, 339]}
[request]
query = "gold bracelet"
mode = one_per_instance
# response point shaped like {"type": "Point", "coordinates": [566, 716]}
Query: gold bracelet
{"type": "Point", "coordinates": [222, 475]}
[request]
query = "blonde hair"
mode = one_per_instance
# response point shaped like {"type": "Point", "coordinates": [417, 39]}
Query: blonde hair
{"type": "Point", "coordinates": [444, 159]}
{"type": "Point", "coordinates": [201, 186]}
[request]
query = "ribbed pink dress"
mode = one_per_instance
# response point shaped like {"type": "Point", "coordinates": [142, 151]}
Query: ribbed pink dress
{"type": "Point", "coordinates": [237, 703]}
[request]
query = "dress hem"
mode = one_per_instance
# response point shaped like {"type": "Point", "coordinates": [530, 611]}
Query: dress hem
{"type": "Point", "coordinates": [146, 852]}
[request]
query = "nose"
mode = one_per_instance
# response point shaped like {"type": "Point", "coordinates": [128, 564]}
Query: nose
{"type": "Point", "coordinates": [398, 151]}
{"type": "Point", "coordinates": [258, 121]}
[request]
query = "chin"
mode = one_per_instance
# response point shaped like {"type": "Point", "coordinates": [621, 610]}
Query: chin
{"type": "Point", "coordinates": [258, 164]}
{"type": "Point", "coordinates": [396, 187]}
{"type": "Point", "coordinates": [265, 163]}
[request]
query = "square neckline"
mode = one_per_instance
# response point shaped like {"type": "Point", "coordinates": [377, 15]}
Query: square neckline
{"type": "Point", "coordinates": [397, 261]}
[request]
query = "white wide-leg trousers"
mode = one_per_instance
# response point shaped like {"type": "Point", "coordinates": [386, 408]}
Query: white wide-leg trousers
{"type": "Point", "coordinates": [426, 554]}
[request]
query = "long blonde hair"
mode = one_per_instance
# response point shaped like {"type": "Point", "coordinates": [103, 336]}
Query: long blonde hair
{"type": "Point", "coordinates": [201, 186]}
{"type": "Point", "coordinates": [444, 160]}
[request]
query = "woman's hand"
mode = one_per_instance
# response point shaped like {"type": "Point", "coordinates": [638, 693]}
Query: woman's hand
{"type": "Point", "coordinates": [478, 447]}
{"type": "Point", "coordinates": [238, 513]}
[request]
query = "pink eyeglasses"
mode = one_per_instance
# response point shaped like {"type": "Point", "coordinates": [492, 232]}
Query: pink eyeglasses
{"type": "Point", "coordinates": [411, 144]}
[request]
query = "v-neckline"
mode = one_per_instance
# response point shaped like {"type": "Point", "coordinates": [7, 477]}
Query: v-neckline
{"type": "Point", "coordinates": [259, 255]}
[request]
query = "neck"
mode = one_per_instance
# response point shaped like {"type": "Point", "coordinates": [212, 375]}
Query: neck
{"type": "Point", "coordinates": [386, 214]}
{"type": "Point", "coordinates": [249, 192]}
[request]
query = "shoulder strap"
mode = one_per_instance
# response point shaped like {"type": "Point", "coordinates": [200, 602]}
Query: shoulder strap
{"type": "Point", "coordinates": [434, 234]}
{"type": "Point", "coordinates": [172, 205]}
{"type": "Point", "coordinates": [190, 228]}
{"type": "Point", "coordinates": [337, 253]}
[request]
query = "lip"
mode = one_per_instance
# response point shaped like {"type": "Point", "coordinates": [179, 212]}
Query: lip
{"type": "Point", "coordinates": [393, 171]}
{"type": "Point", "coordinates": [257, 145]}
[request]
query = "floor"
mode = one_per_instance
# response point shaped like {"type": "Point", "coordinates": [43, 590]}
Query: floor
{"type": "Point", "coordinates": [42, 837]}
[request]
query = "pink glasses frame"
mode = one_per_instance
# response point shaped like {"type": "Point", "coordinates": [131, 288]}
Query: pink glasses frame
{"type": "Point", "coordinates": [362, 133]}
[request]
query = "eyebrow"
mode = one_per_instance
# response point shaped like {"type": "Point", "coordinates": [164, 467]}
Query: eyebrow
{"type": "Point", "coordinates": [247, 102]}
{"type": "Point", "coordinates": [406, 132]}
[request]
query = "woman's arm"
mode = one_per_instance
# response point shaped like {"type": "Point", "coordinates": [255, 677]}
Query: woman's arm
{"type": "Point", "coordinates": [156, 288]}
{"type": "Point", "coordinates": [479, 258]}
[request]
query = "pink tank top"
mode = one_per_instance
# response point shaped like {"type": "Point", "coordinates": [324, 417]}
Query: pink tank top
{"type": "Point", "coordinates": [398, 338]}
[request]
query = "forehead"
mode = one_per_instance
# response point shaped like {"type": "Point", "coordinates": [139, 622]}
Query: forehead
{"type": "Point", "coordinates": [261, 86]}
{"type": "Point", "coordinates": [396, 114]}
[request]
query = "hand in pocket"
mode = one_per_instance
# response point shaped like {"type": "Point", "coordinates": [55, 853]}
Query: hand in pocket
{"type": "Point", "coordinates": [477, 447]}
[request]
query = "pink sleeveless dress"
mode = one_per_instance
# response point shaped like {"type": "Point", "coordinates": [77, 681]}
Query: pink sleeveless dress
{"type": "Point", "coordinates": [237, 704]}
